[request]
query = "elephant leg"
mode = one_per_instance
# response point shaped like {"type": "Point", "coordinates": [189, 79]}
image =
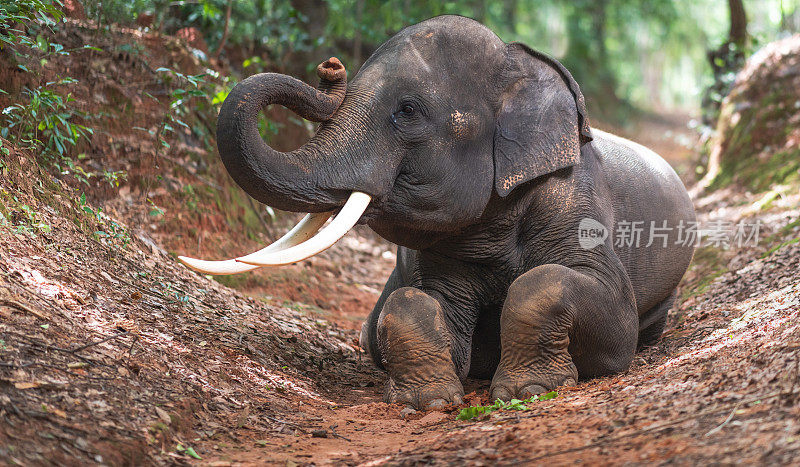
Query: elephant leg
{"type": "Point", "coordinates": [557, 324]}
{"type": "Point", "coordinates": [415, 347]}
{"type": "Point", "coordinates": [367, 340]}
{"type": "Point", "coordinates": [653, 321]}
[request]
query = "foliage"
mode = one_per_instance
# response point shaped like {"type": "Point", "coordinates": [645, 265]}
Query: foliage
{"type": "Point", "coordinates": [45, 121]}
{"type": "Point", "coordinates": [622, 52]}
{"type": "Point", "coordinates": [21, 217]}
{"type": "Point", "coordinates": [35, 14]}
{"type": "Point", "coordinates": [106, 227]}
{"type": "Point", "coordinates": [514, 404]}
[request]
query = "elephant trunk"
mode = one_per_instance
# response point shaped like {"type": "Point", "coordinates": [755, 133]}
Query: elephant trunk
{"type": "Point", "coordinates": [318, 178]}
{"type": "Point", "coordinates": [293, 181]}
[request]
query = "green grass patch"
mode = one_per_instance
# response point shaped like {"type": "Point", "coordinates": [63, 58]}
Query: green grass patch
{"type": "Point", "coordinates": [514, 404]}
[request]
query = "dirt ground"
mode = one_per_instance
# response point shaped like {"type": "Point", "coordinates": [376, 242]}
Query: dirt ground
{"type": "Point", "coordinates": [113, 353]}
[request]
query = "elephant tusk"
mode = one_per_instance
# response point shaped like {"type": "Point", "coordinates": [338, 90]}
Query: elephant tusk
{"type": "Point", "coordinates": [340, 225]}
{"type": "Point", "coordinates": [304, 229]}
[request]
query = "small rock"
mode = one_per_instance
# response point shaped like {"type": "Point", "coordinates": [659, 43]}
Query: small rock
{"type": "Point", "coordinates": [319, 434]}
{"type": "Point", "coordinates": [432, 418]}
{"type": "Point", "coordinates": [406, 412]}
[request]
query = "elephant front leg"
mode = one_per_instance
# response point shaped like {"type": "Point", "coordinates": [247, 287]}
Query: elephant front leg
{"type": "Point", "coordinates": [415, 347]}
{"type": "Point", "coordinates": [557, 324]}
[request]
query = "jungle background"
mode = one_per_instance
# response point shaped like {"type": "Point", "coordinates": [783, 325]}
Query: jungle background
{"type": "Point", "coordinates": [113, 353]}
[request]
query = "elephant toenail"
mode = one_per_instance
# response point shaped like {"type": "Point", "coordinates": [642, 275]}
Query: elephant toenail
{"type": "Point", "coordinates": [501, 393]}
{"type": "Point", "coordinates": [532, 390]}
{"type": "Point", "coordinates": [435, 404]}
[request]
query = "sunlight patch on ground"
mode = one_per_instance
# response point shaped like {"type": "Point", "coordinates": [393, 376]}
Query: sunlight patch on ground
{"type": "Point", "coordinates": [56, 291]}
{"type": "Point", "coordinates": [270, 380]}
{"type": "Point", "coordinates": [763, 318]}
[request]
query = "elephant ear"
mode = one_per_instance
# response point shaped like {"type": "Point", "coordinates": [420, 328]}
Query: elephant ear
{"type": "Point", "coordinates": [541, 124]}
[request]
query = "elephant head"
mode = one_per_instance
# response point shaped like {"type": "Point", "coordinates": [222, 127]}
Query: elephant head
{"type": "Point", "coordinates": [441, 118]}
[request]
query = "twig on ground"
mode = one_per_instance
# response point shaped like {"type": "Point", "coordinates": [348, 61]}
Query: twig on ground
{"type": "Point", "coordinates": [37, 344]}
{"type": "Point", "coordinates": [278, 420]}
{"type": "Point", "coordinates": [54, 367]}
{"type": "Point", "coordinates": [730, 417]}
{"type": "Point", "coordinates": [130, 349]}
{"type": "Point", "coordinates": [22, 307]}
{"type": "Point", "coordinates": [153, 293]}
{"type": "Point", "coordinates": [337, 435]}
{"type": "Point", "coordinates": [91, 344]}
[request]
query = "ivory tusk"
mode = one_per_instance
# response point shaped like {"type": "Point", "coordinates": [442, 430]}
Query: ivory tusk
{"type": "Point", "coordinates": [301, 232]}
{"type": "Point", "coordinates": [340, 225]}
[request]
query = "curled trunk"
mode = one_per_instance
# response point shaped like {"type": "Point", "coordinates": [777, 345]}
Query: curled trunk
{"type": "Point", "coordinates": [293, 181]}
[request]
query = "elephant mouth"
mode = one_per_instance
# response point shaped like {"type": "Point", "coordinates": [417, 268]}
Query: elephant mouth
{"type": "Point", "coordinates": [305, 240]}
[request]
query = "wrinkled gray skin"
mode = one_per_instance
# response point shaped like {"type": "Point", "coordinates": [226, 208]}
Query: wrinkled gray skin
{"type": "Point", "coordinates": [481, 165]}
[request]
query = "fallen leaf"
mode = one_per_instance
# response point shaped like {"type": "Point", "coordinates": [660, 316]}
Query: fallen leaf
{"type": "Point", "coordinates": [32, 385]}
{"type": "Point", "coordinates": [163, 415]}
{"type": "Point", "coordinates": [190, 452]}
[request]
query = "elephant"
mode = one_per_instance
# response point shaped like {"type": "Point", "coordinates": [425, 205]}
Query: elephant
{"type": "Point", "coordinates": [513, 218]}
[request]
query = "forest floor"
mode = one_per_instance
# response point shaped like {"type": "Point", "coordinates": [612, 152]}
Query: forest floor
{"type": "Point", "coordinates": [113, 353]}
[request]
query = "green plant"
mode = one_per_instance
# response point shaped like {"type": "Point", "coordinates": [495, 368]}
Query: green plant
{"type": "Point", "coordinates": [45, 122]}
{"type": "Point", "coordinates": [155, 211]}
{"type": "Point", "coordinates": [4, 151]}
{"type": "Point", "coordinates": [106, 227]}
{"type": "Point", "coordinates": [113, 177]}
{"type": "Point", "coordinates": [514, 404]}
{"type": "Point", "coordinates": [178, 105]}
{"type": "Point", "coordinates": [20, 217]}
{"type": "Point", "coordinates": [27, 14]}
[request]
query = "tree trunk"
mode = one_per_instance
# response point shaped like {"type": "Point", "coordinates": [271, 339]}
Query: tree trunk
{"type": "Point", "coordinates": [738, 30]}
{"type": "Point", "coordinates": [224, 31]}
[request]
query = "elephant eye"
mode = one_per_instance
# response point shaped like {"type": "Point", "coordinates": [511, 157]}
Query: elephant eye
{"type": "Point", "coordinates": [407, 110]}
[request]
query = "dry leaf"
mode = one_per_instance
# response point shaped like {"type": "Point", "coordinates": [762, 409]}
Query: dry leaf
{"type": "Point", "coordinates": [163, 415]}
{"type": "Point", "coordinates": [34, 384]}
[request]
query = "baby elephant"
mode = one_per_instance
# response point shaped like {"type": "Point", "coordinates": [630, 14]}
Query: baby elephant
{"type": "Point", "coordinates": [533, 250]}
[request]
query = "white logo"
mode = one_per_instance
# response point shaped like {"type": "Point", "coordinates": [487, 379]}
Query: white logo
{"type": "Point", "coordinates": [591, 233]}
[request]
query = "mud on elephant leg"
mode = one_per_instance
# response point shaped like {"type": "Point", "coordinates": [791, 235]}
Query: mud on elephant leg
{"type": "Point", "coordinates": [557, 323]}
{"type": "Point", "coordinates": [415, 346]}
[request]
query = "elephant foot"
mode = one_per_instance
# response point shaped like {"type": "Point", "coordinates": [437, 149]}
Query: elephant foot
{"type": "Point", "coordinates": [522, 383]}
{"type": "Point", "coordinates": [534, 335]}
{"type": "Point", "coordinates": [432, 395]}
{"type": "Point", "coordinates": [415, 349]}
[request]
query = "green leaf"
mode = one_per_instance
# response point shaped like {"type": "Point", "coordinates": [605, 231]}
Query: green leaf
{"type": "Point", "coordinates": [190, 452]}
{"type": "Point", "coordinates": [469, 413]}
{"type": "Point", "coordinates": [548, 396]}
